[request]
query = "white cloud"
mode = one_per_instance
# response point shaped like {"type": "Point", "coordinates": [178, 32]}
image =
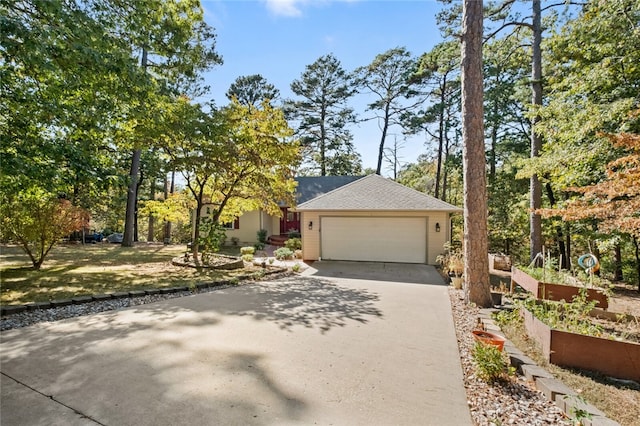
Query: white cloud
{"type": "Point", "coordinates": [293, 8]}
{"type": "Point", "coordinates": [288, 8]}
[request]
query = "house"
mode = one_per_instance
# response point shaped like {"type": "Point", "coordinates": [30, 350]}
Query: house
{"type": "Point", "coordinates": [357, 218]}
{"type": "Point", "coordinates": [246, 227]}
{"type": "Point", "coordinates": [375, 219]}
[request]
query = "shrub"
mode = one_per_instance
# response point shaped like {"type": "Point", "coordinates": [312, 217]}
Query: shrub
{"type": "Point", "coordinates": [247, 250]}
{"type": "Point", "coordinates": [271, 260]}
{"type": "Point", "coordinates": [296, 267]}
{"type": "Point", "coordinates": [294, 234]}
{"type": "Point", "coordinates": [262, 236]}
{"type": "Point", "coordinates": [283, 253]}
{"type": "Point", "coordinates": [212, 236]}
{"type": "Point", "coordinates": [258, 246]}
{"type": "Point", "coordinates": [490, 362]}
{"type": "Point", "coordinates": [293, 244]}
{"type": "Point", "coordinates": [247, 257]}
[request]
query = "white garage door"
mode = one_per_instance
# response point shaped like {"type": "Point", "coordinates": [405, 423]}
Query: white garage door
{"type": "Point", "coordinates": [377, 239]}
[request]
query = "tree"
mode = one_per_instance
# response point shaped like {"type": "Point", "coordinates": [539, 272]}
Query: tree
{"type": "Point", "coordinates": [590, 93]}
{"type": "Point", "coordinates": [501, 12]}
{"type": "Point", "coordinates": [252, 90]}
{"type": "Point", "coordinates": [233, 159]}
{"type": "Point", "coordinates": [60, 101]}
{"type": "Point", "coordinates": [391, 79]}
{"type": "Point", "coordinates": [475, 193]}
{"type": "Point", "coordinates": [440, 70]}
{"type": "Point", "coordinates": [322, 117]}
{"type": "Point", "coordinates": [614, 201]}
{"type": "Point", "coordinates": [37, 221]}
{"type": "Point", "coordinates": [177, 44]}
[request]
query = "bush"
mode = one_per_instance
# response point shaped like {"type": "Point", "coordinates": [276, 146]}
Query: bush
{"type": "Point", "coordinates": [296, 267]}
{"type": "Point", "coordinates": [247, 250]}
{"type": "Point", "coordinates": [294, 234]}
{"type": "Point", "coordinates": [490, 362]}
{"type": "Point", "coordinates": [262, 236]}
{"type": "Point", "coordinates": [283, 253]}
{"type": "Point", "coordinates": [258, 246]}
{"type": "Point", "coordinates": [293, 244]}
{"type": "Point", "coordinates": [212, 236]}
{"type": "Point", "coordinates": [248, 257]}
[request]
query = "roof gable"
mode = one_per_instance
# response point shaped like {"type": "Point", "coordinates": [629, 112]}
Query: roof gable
{"type": "Point", "coordinates": [310, 187]}
{"type": "Point", "coordinates": [374, 192]}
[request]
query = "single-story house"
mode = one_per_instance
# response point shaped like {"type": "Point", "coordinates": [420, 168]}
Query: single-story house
{"type": "Point", "coordinates": [375, 219]}
{"type": "Point", "coordinates": [368, 218]}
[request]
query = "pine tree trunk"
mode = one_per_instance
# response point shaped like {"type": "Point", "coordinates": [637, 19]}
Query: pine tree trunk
{"type": "Point", "coordinates": [476, 271]}
{"type": "Point", "coordinates": [535, 196]}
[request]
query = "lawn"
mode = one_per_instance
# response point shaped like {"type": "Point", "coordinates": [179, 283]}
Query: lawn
{"type": "Point", "coordinates": [75, 270]}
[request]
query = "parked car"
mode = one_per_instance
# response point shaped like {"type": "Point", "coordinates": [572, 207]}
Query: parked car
{"type": "Point", "coordinates": [116, 238]}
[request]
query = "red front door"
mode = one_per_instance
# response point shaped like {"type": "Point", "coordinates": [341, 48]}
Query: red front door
{"type": "Point", "coordinates": [290, 221]}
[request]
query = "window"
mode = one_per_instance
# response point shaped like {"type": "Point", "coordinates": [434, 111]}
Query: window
{"type": "Point", "coordinates": [232, 225]}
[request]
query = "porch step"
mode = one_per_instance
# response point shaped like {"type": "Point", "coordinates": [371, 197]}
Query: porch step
{"type": "Point", "coordinates": [277, 240]}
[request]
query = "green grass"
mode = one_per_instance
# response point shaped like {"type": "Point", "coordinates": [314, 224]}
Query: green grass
{"type": "Point", "coordinates": [75, 270]}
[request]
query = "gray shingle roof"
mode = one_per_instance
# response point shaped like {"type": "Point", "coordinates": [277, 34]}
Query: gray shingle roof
{"type": "Point", "coordinates": [374, 192]}
{"type": "Point", "coordinates": [310, 187]}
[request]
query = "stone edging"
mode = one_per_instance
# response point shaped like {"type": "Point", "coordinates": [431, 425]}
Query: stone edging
{"type": "Point", "coordinates": [79, 300]}
{"type": "Point", "coordinates": [563, 396]}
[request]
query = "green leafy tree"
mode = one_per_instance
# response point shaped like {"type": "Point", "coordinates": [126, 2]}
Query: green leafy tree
{"type": "Point", "coordinates": [590, 94]}
{"type": "Point", "coordinates": [176, 43]}
{"type": "Point", "coordinates": [322, 116]}
{"type": "Point", "coordinates": [390, 78]}
{"type": "Point", "coordinates": [252, 90]}
{"type": "Point", "coordinates": [234, 159]}
{"type": "Point", "coordinates": [37, 221]}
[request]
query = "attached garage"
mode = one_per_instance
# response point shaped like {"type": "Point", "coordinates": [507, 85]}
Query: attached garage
{"type": "Point", "coordinates": [379, 239]}
{"type": "Point", "coordinates": [375, 219]}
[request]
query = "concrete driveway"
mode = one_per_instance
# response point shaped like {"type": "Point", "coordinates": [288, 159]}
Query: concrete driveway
{"type": "Point", "coordinates": [343, 344]}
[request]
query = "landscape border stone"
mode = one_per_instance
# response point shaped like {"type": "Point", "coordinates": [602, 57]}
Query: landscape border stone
{"type": "Point", "coordinates": [562, 395]}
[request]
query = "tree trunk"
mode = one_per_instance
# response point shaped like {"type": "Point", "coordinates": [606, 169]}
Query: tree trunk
{"type": "Point", "coordinates": [564, 264]}
{"type": "Point", "coordinates": [385, 129]}
{"type": "Point", "coordinates": [535, 201]}
{"type": "Point", "coordinates": [152, 220]}
{"type": "Point", "coordinates": [637, 251]}
{"type": "Point", "coordinates": [167, 224]}
{"type": "Point", "coordinates": [132, 199]}
{"type": "Point", "coordinates": [130, 233]}
{"type": "Point", "coordinates": [618, 262]}
{"type": "Point", "coordinates": [443, 88]}
{"type": "Point", "coordinates": [476, 270]}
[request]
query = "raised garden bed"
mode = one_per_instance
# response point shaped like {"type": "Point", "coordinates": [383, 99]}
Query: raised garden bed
{"type": "Point", "coordinates": [615, 358]}
{"type": "Point", "coordinates": [553, 291]}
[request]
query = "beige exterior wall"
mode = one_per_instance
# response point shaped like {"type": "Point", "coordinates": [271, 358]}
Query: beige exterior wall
{"type": "Point", "coordinates": [250, 224]}
{"type": "Point", "coordinates": [435, 240]}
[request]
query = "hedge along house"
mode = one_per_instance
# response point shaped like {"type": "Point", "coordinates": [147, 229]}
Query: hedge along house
{"type": "Point", "coordinates": [375, 219]}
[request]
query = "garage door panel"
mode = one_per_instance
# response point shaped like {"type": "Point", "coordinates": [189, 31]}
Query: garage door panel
{"type": "Point", "coordinates": [383, 239]}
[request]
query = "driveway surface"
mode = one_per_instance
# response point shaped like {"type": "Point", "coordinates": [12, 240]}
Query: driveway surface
{"type": "Point", "coordinates": [343, 344]}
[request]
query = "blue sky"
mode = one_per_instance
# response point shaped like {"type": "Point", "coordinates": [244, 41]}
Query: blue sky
{"type": "Point", "coordinates": [279, 38]}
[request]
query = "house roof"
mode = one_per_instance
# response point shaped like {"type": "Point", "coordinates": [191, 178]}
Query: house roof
{"type": "Point", "coordinates": [373, 192]}
{"type": "Point", "coordinates": [310, 187]}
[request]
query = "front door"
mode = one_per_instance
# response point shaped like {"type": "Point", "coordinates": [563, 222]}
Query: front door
{"type": "Point", "coordinates": [290, 221]}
